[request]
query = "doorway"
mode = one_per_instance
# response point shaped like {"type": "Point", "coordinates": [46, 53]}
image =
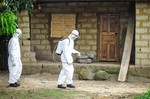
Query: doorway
{"type": "Point", "coordinates": [108, 37]}
{"type": "Point", "coordinates": [4, 39]}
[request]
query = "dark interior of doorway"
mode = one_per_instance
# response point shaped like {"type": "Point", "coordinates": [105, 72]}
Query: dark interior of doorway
{"type": "Point", "coordinates": [4, 39]}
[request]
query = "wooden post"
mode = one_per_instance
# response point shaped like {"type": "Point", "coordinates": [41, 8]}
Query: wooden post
{"type": "Point", "coordinates": [127, 49]}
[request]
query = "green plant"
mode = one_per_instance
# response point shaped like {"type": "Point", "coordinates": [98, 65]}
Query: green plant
{"type": "Point", "coordinates": [19, 5]}
{"type": "Point", "coordinates": [8, 23]}
{"type": "Point", "coordinates": [8, 14]}
{"type": "Point", "coordinates": [144, 95]}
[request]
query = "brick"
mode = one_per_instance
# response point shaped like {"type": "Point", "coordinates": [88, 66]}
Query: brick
{"type": "Point", "coordinates": [82, 31]}
{"type": "Point", "coordinates": [94, 48]}
{"type": "Point", "coordinates": [138, 24]}
{"type": "Point", "coordinates": [85, 48]}
{"type": "Point", "coordinates": [142, 56]}
{"type": "Point", "coordinates": [141, 43]}
{"type": "Point", "coordinates": [147, 50]}
{"type": "Point", "coordinates": [39, 26]}
{"type": "Point", "coordinates": [92, 31]}
{"type": "Point", "coordinates": [146, 11]}
{"type": "Point", "coordinates": [25, 19]}
{"type": "Point", "coordinates": [91, 42]}
{"type": "Point", "coordinates": [24, 25]}
{"type": "Point", "coordinates": [43, 20]}
{"type": "Point", "coordinates": [86, 25]}
{"type": "Point", "coordinates": [102, 9]}
{"type": "Point", "coordinates": [25, 36]}
{"type": "Point", "coordinates": [141, 30]}
{"type": "Point", "coordinates": [87, 37]}
{"type": "Point", "coordinates": [25, 42]}
{"type": "Point", "coordinates": [25, 48]}
{"type": "Point", "coordinates": [145, 62]}
{"type": "Point", "coordinates": [142, 17]}
{"type": "Point", "coordinates": [40, 36]}
{"type": "Point", "coordinates": [25, 54]}
{"type": "Point", "coordinates": [44, 42]}
{"type": "Point", "coordinates": [35, 31]}
{"type": "Point", "coordinates": [35, 42]}
{"type": "Point", "coordinates": [40, 47]}
{"type": "Point", "coordinates": [141, 5]}
{"type": "Point", "coordinates": [35, 20]}
{"type": "Point", "coordinates": [138, 61]}
{"type": "Point", "coordinates": [82, 20]}
{"type": "Point", "coordinates": [137, 11]}
{"type": "Point", "coordinates": [48, 47]}
{"type": "Point", "coordinates": [25, 60]}
{"type": "Point", "coordinates": [39, 15]}
{"type": "Point", "coordinates": [146, 37]}
{"type": "Point", "coordinates": [82, 42]}
{"type": "Point", "coordinates": [25, 30]}
{"type": "Point", "coordinates": [146, 24]}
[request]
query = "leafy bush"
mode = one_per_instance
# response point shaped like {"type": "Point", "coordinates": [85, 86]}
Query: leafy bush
{"type": "Point", "coordinates": [144, 95]}
{"type": "Point", "coordinates": [8, 23]}
{"type": "Point", "coordinates": [8, 14]}
{"type": "Point", "coordinates": [19, 5]}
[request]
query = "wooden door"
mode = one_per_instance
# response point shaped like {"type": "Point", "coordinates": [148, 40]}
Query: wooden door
{"type": "Point", "coordinates": [108, 44]}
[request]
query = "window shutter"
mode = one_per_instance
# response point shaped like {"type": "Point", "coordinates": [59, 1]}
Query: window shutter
{"type": "Point", "coordinates": [62, 24]}
{"type": "Point", "coordinates": [56, 25]}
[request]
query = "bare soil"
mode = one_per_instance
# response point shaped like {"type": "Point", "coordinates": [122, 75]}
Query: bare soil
{"type": "Point", "coordinates": [109, 89]}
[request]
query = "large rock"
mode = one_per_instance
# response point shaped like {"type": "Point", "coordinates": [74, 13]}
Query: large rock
{"type": "Point", "coordinates": [86, 74]}
{"type": "Point", "coordinates": [101, 75]}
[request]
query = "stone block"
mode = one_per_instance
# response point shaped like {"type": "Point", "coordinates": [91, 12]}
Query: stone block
{"type": "Point", "coordinates": [101, 75]}
{"type": "Point", "coordinates": [86, 74]}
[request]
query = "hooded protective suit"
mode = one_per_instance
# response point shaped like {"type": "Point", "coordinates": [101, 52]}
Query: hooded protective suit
{"type": "Point", "coordinates": [14, 59]}
{"type": "Point", "coordinates": [66, 73]}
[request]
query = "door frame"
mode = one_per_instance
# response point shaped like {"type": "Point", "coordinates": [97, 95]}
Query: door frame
{"type": "Point", "coordinates": [98, 36]}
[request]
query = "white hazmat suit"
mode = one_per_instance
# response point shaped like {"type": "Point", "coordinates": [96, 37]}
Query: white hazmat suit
{"type": "Point", "coordinates": [14, 59]}
{"type": "Point", "coordinates": [66, 74]}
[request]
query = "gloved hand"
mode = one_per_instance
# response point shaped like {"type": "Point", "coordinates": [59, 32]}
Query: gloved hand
{"type": "Point", "coordinates": [78, 53]}
{"type": "Point", "coordinates": [14, 63]}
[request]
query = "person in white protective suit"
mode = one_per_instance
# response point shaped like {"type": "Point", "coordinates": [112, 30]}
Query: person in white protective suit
{"type": "Point", "coordinates": [66, 74]}
{"type": "Point", "coordinates": [14, 59]}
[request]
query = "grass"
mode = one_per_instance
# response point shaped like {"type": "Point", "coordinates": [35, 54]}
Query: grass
{"type": "Point", "coordinates": [45, 94]}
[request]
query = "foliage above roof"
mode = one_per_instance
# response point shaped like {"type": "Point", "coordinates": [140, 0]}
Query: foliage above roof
{"type": "Point", "coordinates": [49, 1]}
{"type": "Point", "coordinates": [19, 5]}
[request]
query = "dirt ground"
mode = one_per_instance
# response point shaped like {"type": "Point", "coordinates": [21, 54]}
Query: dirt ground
{"type": "Point", "coordinates": [109, 89]}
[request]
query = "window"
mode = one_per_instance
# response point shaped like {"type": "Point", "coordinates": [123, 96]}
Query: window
{"type": "Point", "coordinates": [62, 24]}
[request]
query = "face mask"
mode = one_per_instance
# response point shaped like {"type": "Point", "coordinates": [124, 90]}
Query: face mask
{"type": "Point", "coordinates": [19, 35]}
{"type": "Point", "coordinates": [74, 37]}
